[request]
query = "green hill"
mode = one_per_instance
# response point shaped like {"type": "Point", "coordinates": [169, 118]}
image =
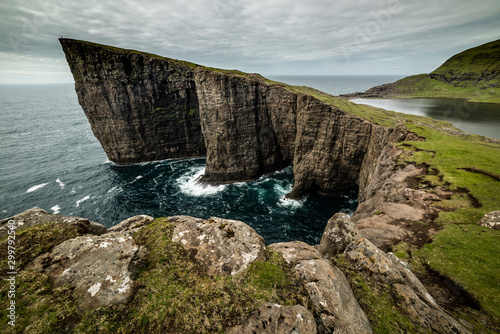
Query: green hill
{"type": "Point", "coordinates": [473, 74]}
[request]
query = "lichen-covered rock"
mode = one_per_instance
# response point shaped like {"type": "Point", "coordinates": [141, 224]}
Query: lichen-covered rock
{"type": "Point", "coordinates": [132, 224]}
{"type": "Point", "coordinates": [491, 220]}
{"type": "Point", "coordinates": [101, 269]}
{"type": "Point", "coordinates": [296, 251]}
{"type": "Point", "coordinates": [277, 319]}
{"type": "Point", "coordinates": [36, 216]}
{"type": "Point", "coordinates": [331, 296]}
{"type": "Point", "coordinates": [387, 269]}
{"type": "Point", "coordinates": [339, 232]}
{"type": "Point", "coordinates": [221, 246]}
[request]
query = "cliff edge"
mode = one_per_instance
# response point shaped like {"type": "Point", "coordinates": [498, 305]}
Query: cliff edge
{"type": "Point", "coordinates": [143, 107]}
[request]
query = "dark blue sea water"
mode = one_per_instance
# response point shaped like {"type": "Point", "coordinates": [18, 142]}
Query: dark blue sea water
{"type": "Point", "coordinates": [50, 158]}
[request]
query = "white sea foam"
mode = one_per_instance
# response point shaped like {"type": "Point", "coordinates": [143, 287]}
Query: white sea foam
{"type": "Point", "coordinates": [60, 183]}
{"type": "Point", "coordinates": [118, 189]}
{"type": "Point", "coordinates": [82, 200]}
{"type": "Point", "coordinates": [291, 203]}
{"type": "Point", "coordinates": [139, 177]}
{"type": "Point", "coordinates": [56, 209]}
{"type": "Point", "coordinates": [38, 186]}
{"type": "Point", "coordinates": [189, 184]}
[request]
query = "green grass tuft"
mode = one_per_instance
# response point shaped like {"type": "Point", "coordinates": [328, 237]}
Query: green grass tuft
{"type": "Point", "coordinates": [468, 254]}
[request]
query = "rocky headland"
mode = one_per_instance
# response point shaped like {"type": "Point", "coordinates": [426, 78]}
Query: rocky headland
{"type": "Point", "coordinates": [144, 107]}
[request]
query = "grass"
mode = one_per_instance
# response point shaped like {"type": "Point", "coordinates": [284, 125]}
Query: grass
{"type": "Point", "coordinates": [468, 254]}
{"type": "Point", "coordinates": [379, 301]}
{"type": "Point", "coordinates": [452, 158]}
{"type": "Point", "coordinates": [473, 74]}
{"type": "Point", "coordinates": [39, 307]}
{"type": "Point", "coordinates": [423, 86]}
{"type": "Point", "coordinates": [469, 166]}
{"type": "Point", "coordinates": [175, 295]}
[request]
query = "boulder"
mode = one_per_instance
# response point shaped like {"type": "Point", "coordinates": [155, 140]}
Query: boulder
{"type": "Point", "coordinates": [277, 319]}
{"type": "Point", "coordinates": [37, 216]}
{"type": "Point", "coordinates": [132, 224]}
{"type": "Point", "coordinates": [491, 220]}
{"type": "Point", "coordinates": [101, 269]}
{"type": "Point", "coordinates": [221, 246]}
{"type": "Point", "coordinates": [332, 299]}
{"type": "Point", "coordinates": [339, 232]}
{"type": "Point", "coordinates": [296, 251]}
{"type": "Point", "coordinates": [388, 269]}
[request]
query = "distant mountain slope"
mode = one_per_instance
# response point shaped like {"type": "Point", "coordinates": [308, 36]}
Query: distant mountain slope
{"type": "Point", "coordinates": [473, 74]}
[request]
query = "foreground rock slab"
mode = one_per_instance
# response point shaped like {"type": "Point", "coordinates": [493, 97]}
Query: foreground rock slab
{"type": "Point", "coordinates": [339, 232]}
{"type": "Point", "coordinates": [100, 268]}
{"type": "Point", "coordinates": [221, 246]}
{"type": "Point", "coordinates": [277, 319]}
{"type": "Point", "coordinates": [37, 216]}
{"type": "Point", "coordinates": [387, 269]}
{"type": "Point", "coordinates": [333, 301]}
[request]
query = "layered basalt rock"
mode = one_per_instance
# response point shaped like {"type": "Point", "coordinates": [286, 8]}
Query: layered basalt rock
{"type": "Point", "coordinates": [141, 107]}
{"type": "Point", "coordinates": [144, 107]}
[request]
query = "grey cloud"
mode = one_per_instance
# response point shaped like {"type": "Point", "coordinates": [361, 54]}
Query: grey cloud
{"type": "Point", "coordinates": [292, 36]}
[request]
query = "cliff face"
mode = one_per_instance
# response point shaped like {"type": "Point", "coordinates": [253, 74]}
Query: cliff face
{"type": "Point", "coordinates": [144, 107]}
{"type": "Point", "coordinates": [141, 107]}
{"type": "Point", "coordinates": [248, 125]}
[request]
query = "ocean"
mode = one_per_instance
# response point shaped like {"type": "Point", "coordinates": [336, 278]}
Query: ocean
{"type": "Point", "coordinates": [51, 159]}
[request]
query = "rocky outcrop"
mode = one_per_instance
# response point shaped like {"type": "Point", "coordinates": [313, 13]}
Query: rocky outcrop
{"type": "Point", "coordinates": [37, 216]}
{"type": "Point", "coordinates": [144, 107]}
{"type": "Point", "coordinates": [277, 319]}
{"type": "Point", "coordinates": [339, 232]}
{"type": "Point", "coordinates": [331, 296]}
{"type": "Point", "coordinates": [141, 107]}
{"type": "Point", "coordinates": [491, 220]}
{"type": "Point", "coordinates": [418, 303]}
{"type": "Point", "coordinates": [379, 268]}
{"type": "Point", "coordinates": [101, 269]}
{"type": "Point", "coordinates": [391, 209]}
{"type": "Point", "coordinates": [221, 246]}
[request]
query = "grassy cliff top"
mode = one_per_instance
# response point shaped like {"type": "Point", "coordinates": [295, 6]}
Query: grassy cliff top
{"type": "Point", "coordinates": [483, 60]}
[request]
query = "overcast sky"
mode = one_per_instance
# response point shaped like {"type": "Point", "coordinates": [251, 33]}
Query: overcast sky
{"type": "Point", "coordinates": [270, 37]}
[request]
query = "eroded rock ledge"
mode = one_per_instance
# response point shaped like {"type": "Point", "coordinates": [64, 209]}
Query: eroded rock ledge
{"type": "Point", "coordinates": [100, 271]}
{"type": "Point", "coordinates": [144, 107]}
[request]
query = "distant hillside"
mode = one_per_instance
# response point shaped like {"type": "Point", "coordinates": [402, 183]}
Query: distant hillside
{"type": "Point", "coordinates": [473, 74]}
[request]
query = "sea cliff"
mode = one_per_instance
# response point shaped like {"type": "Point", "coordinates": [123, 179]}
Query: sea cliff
{"type": "Point", "coordinates": [144, 107]}
{"type": "Point", "coordinates": [422, 184]}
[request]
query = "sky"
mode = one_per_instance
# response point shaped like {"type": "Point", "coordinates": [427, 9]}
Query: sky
{"type": "Point", "coordinates": [271, 37]}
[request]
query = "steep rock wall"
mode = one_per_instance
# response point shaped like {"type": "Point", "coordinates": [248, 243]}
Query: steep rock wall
{"type": "Point", "coordinates": [249, 126]}
{"type": "Point", "coordinates": [144, 107]}
{"type": "Point", "coordinates": [141, 107]}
